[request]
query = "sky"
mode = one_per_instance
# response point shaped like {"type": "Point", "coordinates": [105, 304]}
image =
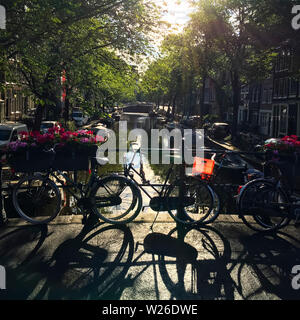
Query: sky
{"type": "Point", "coordinates": [177, 12]}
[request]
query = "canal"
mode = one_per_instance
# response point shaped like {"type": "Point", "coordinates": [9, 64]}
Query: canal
{"type": "Point", "coordinates": [231, 173]}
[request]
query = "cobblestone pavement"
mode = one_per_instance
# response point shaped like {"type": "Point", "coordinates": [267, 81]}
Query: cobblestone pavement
{"type": "Point", "coordinates": [225, 260]}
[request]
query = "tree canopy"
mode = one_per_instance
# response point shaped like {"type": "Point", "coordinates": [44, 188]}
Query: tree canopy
{"type": "Point", "coordinates": [230, 42]}
{"type": "Point", "coordinates": [89, 41]}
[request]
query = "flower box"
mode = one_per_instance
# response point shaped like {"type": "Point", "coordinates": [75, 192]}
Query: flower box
{"type": "Point", "coordinates": [73, 151]}
{"type": "Point", "coordinates": [32, 161]}
{"type": "Point", "coordinates": [71, 161]}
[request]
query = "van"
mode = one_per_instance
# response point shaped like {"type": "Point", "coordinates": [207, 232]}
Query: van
{"type": "Point", "coordinates": [9, 132]}
{"type": "Point", "coordinates": [80, 118]}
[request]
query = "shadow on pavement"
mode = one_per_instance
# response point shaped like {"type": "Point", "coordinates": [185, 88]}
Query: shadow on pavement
{"type": "Point", "coordinates": [270, 257]}
{"type": "Point", "coordinates": [105, 262]}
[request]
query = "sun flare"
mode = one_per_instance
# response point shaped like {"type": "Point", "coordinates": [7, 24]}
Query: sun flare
{"type": "Point", "coordinates": [176, 12]}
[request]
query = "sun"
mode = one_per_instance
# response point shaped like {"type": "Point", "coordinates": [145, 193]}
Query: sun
{"type": "Point", "coordinates": [176, 12]}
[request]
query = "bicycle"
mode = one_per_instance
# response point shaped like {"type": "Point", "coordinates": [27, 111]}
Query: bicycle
{"type": "Point", "coordinates": [185, 201]}
{"type": "Point", "coordinates": [208, 176]}
{"type": "Point", "coordinates": [114, 199]}
{"type": "Point", "coordinates": [269, 204]}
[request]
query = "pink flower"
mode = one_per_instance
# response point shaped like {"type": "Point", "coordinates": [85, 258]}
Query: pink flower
{"type": "Point", "coordinates": [85, 140]}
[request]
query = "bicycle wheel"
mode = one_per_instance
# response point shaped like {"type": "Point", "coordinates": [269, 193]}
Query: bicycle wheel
{"type": "Point", "coordinates": [37, 199]}
{"type": "Point", "coordinates": [117, 200]}
{"type": "Point", "coordinates": [191, 202]}
{"type": "Point", "coordinates": [263, 206]}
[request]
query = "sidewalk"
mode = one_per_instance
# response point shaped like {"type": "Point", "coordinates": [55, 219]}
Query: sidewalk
{"type": "Point", "coordinates": [226, 261]}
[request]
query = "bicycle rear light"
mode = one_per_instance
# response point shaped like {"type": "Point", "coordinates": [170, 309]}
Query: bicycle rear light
{"type": "Point", "coordinates": [203, 167]}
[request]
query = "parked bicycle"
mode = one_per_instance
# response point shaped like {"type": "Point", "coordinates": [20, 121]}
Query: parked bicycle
{"type": "Point", "coordinates": [208, 174]}
{"type": "Point", "coordinates": [114, 199]}
{"type": "Point", "coordinates": [269, 204]}
{"type": "Point", "coordinates": [184, 199]}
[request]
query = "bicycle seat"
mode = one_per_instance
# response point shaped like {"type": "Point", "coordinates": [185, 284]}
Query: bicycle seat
{"type": "Point", "coordinates": [102, 161]}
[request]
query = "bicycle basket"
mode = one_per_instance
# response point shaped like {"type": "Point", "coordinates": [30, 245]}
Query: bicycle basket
{"type": "Point", "coordinates": [203, 167]}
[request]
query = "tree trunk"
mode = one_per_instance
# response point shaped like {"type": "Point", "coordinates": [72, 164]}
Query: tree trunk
{"type": "Point", "coordinates": [236, 88]}
{"type": "Point", "coordinates": [67, 107]}
{"type": "Point", "coordinates": [38, 118]}
{"type": "Point", "coordinates": [202, 98]}
{"type": "Point", "coordinates": [174, 104]}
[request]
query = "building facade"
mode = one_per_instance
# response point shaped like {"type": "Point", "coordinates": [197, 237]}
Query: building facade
{"type": "Point", "coordinates": [14, 103]}
{"type": "Point", "coordinates": [272, 107]}
{"type": "Point", "coordinates": [286, 96]}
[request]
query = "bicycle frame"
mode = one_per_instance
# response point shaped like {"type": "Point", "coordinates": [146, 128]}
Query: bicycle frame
{"type": "Point", "coordinates": [128, 173]}
{"type": "Point", "coordinates": [84, 190]}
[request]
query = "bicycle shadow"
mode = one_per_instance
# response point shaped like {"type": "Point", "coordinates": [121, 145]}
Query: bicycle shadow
{"type": "Point", "coordinates": [271, 262]}
{"type": "Point", "coordinates": [192, 263]}
{"type": "Point", "coordinates": [101, 262]}
{"type": "Point", "coordinates": [22, 254]}
{"type": "Point", "coordinates": [83, 268]}
{"type": "Point", "coordinates": [187, 264]}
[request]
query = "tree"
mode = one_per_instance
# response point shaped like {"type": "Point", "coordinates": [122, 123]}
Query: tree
{"type": "Point", "coordinates": [56, 34]}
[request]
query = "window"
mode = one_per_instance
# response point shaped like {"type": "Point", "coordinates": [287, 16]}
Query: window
{"type": "Point", "coordinates": [264, 119]}
{"type": "Point", "coordinates": [265, 96]}
{"type": "Point", "coordinates": [255, 94]}
{"type": "Point", "coordinates": [283, 119]}
{"type": "Point", "coordinates": [254, 118]}
{"type": "Point", "coordinates": [293, 86]}
{"type": "Point", "coordinates": [270, 94]}
{"type": "Point", "coordinates": [283, 87]}
{"type": "Point", "coordinates": [276, 88]}
{"type": "Point", "coordinates": [287, 60]}
{"type": "Point", "coordinates": [5, 135]}
{"type": "Point", "coordinates": [206, 95]}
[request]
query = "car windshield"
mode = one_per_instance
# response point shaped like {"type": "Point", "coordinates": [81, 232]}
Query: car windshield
{"type": "Point", "coordinates": [5, 135]}
{"type": "Point", "coordinates": [77, 114]}
{"type": "Point", "coordinates": [46, 125]}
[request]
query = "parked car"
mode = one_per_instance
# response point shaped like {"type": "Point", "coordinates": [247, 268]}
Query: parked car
{"type": "Point", "coordinates": [80, 118]}
{"type": "Point", "coordinates": [9, 132]}
{"type": "Point", "coordinates": [219, 130]}
{"type": "Point", "coordinates": [46, 125]}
